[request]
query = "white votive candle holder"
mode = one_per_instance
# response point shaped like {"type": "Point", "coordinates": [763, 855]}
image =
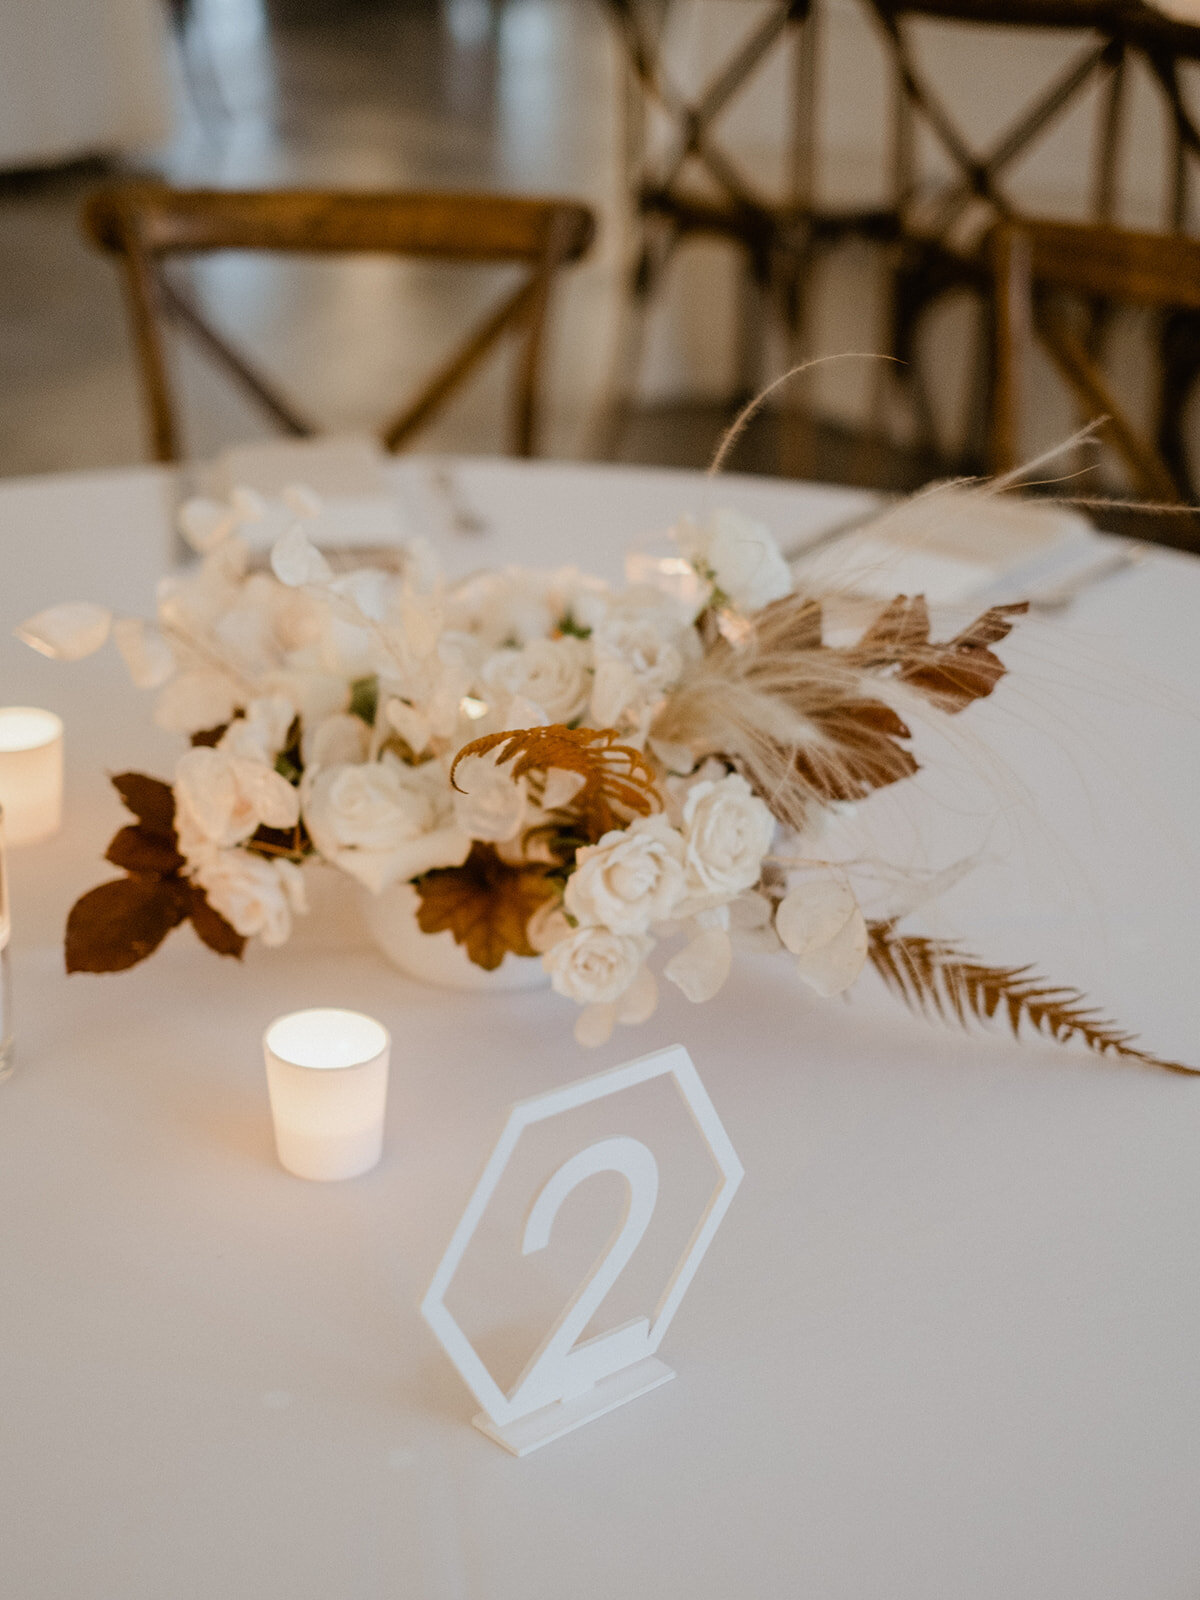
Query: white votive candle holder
{"type": "Point", "coordinates": [327, 1075]}
{"type": "Point", "coordinates": [31, 773]}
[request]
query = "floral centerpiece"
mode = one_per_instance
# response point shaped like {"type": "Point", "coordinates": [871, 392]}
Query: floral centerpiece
{"type": "Point", "coordinates": [619, 781]}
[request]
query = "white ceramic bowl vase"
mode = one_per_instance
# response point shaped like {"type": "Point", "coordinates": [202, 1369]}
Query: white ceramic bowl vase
{"type": "Point", "coordinates": [391, 919]}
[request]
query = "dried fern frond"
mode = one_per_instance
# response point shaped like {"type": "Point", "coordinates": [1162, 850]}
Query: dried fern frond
{"type": "Point", "coordinates": [618, 781]}
{"type": "Point", "coordinates": [936, 979]}
{"type": "Point", "coordinates": [806, 722]}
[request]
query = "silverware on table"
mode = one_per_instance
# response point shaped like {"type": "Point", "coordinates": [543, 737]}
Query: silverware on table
{"type": "Point", "coordinates": [464, 518]}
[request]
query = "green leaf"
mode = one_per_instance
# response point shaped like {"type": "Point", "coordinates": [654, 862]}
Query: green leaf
{"type": "Point", "coordinates": [118, 924]}
{"type": "Point", "coordinates": [364, 699]}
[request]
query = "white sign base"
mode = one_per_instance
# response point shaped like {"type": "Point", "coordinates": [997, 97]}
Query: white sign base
{"type": "Point", "coordinates": [570, 1380]}
{"type": "Point", "coordinates": [536, 1428]}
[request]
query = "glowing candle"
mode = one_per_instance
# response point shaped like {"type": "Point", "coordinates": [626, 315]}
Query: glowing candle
{"type": "Point", "coordinates": [31, 773]}
{"type": "Point", "coordinates": [327, 1076]}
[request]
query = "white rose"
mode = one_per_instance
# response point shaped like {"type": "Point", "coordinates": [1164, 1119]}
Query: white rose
{"type": "Point", "coordinates": [255, 896]}
{"type": "Point", "coordinates": [226, 798]}
{"type": "Point", "coordinates": [502, 607]}
{"type": "Point", "coordinates": [382, 821]}
{"type": "Point", "coordinates": [632, 878]}
{"type": "Point", "coordinates": [739, 556]}
{"type": "Point", "coordinates": [638, 658]}
{"type": "Point", "coordinates": [555, 674]}
{"type": "Point", "coordinates": [492, 803]}
{"type": "Point", "coordinates": [596, 965]}
{"type": "Point", "coordinates": [727, 831]}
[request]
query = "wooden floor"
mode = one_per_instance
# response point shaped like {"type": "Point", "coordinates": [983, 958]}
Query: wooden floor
{"type": "Point", "coordinates": [456, 95]}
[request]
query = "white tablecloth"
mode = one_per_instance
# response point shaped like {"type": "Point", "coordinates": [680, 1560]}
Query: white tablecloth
{"type": "Point", "coordinates": [945, 1343]}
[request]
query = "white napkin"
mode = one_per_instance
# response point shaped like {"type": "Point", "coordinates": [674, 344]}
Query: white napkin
{"type": "Point", "coordinates": [347, 472]}
{"type": "Point", "coordinates": [956, 545]}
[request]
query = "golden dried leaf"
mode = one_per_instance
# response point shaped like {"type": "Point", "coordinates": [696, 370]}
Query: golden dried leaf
{"type": "Point", "coordinates": [618, 784]}
{"type": "Point", "coordinates": [486, 904]}
{"type": "Point", "coordinates": [934, 977]}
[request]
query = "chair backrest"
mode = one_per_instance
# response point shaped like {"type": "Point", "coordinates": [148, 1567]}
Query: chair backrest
{"type": "Point", "coordinates": [144, 223]}
{"type": "Point", "coordinates": [1034, 261]}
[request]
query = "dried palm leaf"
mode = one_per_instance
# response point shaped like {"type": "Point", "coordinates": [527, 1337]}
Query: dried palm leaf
{"type": "Point", "coordinates": [936, 979]}
{"type": "Point", "coordinates": [806, 722]}
{"type": "Point", "coordinates": [618, 781]}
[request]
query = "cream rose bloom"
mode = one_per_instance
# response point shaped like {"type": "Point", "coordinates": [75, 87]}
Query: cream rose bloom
{"type": "Point", "coordinates": [638, 658]}
{"type": "Point", "coordinates": [492, 803]}
{"type": "Point", "coordinates": [255, 896]}
{"type": "Point", "coordinates": [738, 556]}
{"type": "Point", "coordinates": [382, 822]}
{"type": "Point", "coordinates": [633, 877]}
{"type": "Point", "coordinates": [225, 798]}
{"type": "Point", "coordinates": [595, 965]}
{"type": "Point", "coordinates": [553, 674]}
{"type": "Point", "coordinates": [727, 831]}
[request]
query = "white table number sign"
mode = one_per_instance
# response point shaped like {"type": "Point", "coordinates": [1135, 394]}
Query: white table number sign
{"type": "Point", "coordinates": [566, 1382]}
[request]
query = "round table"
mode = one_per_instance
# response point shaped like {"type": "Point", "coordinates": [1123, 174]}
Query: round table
{"type": "Point", "coordinates": [944, 1343]}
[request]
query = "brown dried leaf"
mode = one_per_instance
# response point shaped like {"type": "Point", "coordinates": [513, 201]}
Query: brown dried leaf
{"type": "Point", "coordinates": [118, 924]}
{"type": "Point", "coordinates": [901, 626]}
{"type": "Point", "coordinates": [210, 737]}
{"type": "Point", "coordinates": [137, 849]}
{"type": "Point", "coordinates": [858, 752]}
{"type": "Point", "coordinates": [486, 904]}
{"type": "Point", "coordinates": [963, 669]}
{"type": "Point", "coordinates": [934, 977]}
{"type": "Point", "coordinates": [952, 673]}
{"type": "Point", "coordinates": [618, 780]}
{"type": "Point", "coordinates": [212, 927]}
{"type": "Point", "coordinates": [151, 801]}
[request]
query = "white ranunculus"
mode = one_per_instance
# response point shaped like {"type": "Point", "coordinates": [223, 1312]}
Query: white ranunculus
{"type": "Point", "coordinates": [738, 555]}
{"type": "Point", "coordinates": [555, 674]}
{"type": "Point", "coordinates": [702, 966]}
{"type": "Point", "coordinates": [632, 878]}
{"type": "Point", "coordinates": [727, 831]}
{"type": "Point", "coordinates": [255, 896]}
{"type": "Point", "coordinates": [502, 608]}
{"type": "Point", "coordinates": [492, 803]}
{"type": "Point", "coordinates": [228, 797]}
{"type": "Point", "coordinates": [262, 732]}
{"type": "Point", "coordinates": [382, 822]}
{"type": "Point", "coordinates": [819, 921]}
{"type": "Point", "coordinates": [336, 741]}
{"type": "Point", "coordinates": [595, 965]}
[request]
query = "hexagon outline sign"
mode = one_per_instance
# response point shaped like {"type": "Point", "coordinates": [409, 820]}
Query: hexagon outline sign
{"type": "Point", "coordinates": [645, 1336]}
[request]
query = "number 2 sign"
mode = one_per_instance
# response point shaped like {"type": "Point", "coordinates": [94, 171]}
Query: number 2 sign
{"type": "Point", "coordinates": [568, 1382]}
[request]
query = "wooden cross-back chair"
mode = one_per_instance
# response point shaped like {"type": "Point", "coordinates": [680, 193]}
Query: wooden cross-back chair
{"type": "Point", "coordinates": [1035, 264]}
{"type": "Point", "coordinates": [939, 225]}
{"type": "Point", "coordinates": [144, 224]}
